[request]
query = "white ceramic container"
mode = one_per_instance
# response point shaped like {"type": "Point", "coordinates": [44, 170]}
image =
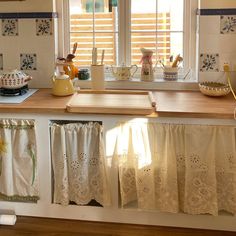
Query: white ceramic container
{"type": "Point", "coordinates": [124, 72]}
{"type": "Point", "coordinates": [14, 79]}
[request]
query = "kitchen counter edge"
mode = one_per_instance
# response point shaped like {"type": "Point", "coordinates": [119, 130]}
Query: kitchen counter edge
{"type": "Point", "coordinates": [183, 104]}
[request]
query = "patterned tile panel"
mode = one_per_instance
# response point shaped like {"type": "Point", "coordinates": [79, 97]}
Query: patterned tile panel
{"type": "Point", "coordinates": [209, 62]}
{"type": "Point", "coordinates": [44, 27]}
{"type": "Point", "coordinates": [28, 61]}
{"type": "Point", "coordinates": [10, 27]}
{"type": "Point", "coordinates": [228, 24]}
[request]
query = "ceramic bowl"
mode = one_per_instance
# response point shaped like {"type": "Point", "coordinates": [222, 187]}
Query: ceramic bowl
{"type": "Point", "coordinates": [214, 89]}
{"type": "Point", "coordinates": [14, 79]}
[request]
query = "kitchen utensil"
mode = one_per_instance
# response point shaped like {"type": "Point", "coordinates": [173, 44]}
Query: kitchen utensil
{"type": "Point", "coordinates": [94, 56]}
{"type": "Point", "coordinates": [102, 59]}
{"type": "Point", "coordinates": [214, 89]}
{"type": "Point", "coordinates": [14, 79]}
{"type": "Point", "coordinates": [177, 60]}
{"type": "Point", "coordinates": [112, 102]}
{"type": "Point", "coordinates": [74, 48]}
{"type": "Point", "coordinates": [97, 77]}
{"type": "Point", "coordinates": [73, 72]}
{"type": "Point", "coordinates": [124, 72]}
{"type": "Point", "coordinates": [61, 83]}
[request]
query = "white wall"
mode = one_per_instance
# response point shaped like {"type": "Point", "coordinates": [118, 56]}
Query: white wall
{"type": "Point", "coordinates": [218, 3]}
{"type": "Point", "coordinates": [28, 42]}
{"type": "Point", "coordinates": [27, 6]}
{"type": "Point", "coordinates": [214, 40]}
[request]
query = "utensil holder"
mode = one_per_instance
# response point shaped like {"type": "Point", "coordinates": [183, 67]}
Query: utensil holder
{"type": "Point", "coordinates": [170, 73]}
{"type": "Point", "coordinates": [97, 77]}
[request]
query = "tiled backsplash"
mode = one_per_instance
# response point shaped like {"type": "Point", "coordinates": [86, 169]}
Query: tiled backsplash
{"type": "Point", "coordinates": [217, 43]}
{"type": "Point", "coordinates": [27, 42]}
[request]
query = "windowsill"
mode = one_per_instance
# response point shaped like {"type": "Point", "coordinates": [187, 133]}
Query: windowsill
{"type": "Point", "coordinates": [135, 83]}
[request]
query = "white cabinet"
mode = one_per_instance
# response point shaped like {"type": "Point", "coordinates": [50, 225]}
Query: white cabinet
{"type": "Point", "coordinates": [113, 213]}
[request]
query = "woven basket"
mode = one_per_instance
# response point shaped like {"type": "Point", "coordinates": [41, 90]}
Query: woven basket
{"type": "Point", "coordinates": [214, 89]}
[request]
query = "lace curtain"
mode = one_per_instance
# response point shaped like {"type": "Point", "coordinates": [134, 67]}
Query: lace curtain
{"type": "Point", "coordinates": [177, 168]}
{"type": "Point", "coordinates": [18, 163]}
{"type": "Point", "coordinates": [79, 165]}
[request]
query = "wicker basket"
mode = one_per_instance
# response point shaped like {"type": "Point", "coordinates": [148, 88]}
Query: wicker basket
{"type": "Point", "coordinates": [214, 89]}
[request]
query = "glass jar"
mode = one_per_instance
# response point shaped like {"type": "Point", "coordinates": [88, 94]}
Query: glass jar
{"type": "Point", "coordinates": [83, 74]}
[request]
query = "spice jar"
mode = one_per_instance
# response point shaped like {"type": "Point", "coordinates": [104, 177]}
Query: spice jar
{"type": "Point", "coordinates": [83, 74]}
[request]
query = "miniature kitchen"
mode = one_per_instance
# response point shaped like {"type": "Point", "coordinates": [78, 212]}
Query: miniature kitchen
{"type": "Point", "coordinates": [136, 143]}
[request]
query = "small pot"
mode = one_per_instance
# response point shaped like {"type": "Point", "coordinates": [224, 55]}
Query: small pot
{"type": "Point", "coordinates": [14, 79]}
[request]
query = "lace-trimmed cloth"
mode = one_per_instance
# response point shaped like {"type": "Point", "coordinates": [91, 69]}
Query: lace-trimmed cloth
{"type": "Point", "coordinates": [177, 168]}
{"type": "Point", "coordinates": [79, 164]}
{"type": "Point", "coordinates": [18, 161]}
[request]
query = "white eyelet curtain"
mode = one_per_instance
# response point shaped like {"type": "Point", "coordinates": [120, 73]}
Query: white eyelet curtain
{"type": "Point", "coordinates": [79, 165]}
{"type": "Point", "coordinates": [18, 160]}
{"type": "Point", "coordinates": [177, 168]}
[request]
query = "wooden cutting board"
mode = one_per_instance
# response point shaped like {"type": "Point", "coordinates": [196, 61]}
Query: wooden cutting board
{"type": "Point", "coordinates": [112, 102]}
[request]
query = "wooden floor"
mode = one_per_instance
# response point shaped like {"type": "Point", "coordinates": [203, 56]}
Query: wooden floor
{"type": "Point", "coordinates": [53, 227]}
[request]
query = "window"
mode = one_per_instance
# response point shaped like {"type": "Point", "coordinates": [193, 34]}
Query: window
{"type": "Point", "coordinates": [122, 27]}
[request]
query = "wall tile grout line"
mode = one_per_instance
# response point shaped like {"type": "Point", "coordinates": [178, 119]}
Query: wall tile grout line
{"type": "Point", "coordinates": [28, 15]}
{"type": "Point", "coordinates": [215, 12]}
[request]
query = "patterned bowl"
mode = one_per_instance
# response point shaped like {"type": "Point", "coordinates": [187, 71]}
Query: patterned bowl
{"type": "Point", "coordinates": [14, 79]}
{"type": "Point", "coordinates": [214, 89]}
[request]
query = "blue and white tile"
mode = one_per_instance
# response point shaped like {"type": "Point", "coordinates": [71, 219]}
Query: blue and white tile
{"type": "Point", "coordinates": [209, 62]}
{"type": "Point", "coordinates": [209, 25]}
{"type": "Point", "coordinates": [1, 61]}
{"type": "Point", "coordinates": [44, 27]}
{"type": "Point", "coordinates": [28, 61]}
{"type": "Point", "coordinates": [228, 24]}
{"type": "Point", "coordinates": [10, 27]}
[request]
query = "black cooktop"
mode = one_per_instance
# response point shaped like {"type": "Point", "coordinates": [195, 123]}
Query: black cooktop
{"type": "Point", "coordinates": [14, 92]}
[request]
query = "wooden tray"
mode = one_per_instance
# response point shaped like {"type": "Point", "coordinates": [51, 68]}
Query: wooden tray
{"type": "Point", "coordinates": [112, 102]}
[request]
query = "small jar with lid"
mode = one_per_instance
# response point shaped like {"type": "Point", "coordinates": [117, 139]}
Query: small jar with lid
{"type": "Point", "coordinates": [83, 74]}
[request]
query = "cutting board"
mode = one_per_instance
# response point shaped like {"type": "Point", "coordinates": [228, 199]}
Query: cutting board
{"type": "Point", "coordinates": [112, 102]}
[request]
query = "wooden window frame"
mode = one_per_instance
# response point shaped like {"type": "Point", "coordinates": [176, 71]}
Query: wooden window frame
{"type": "Point", "coordinates": [189, 40]}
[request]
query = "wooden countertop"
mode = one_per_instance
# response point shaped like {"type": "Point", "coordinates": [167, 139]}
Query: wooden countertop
{"type": "Point", "coordinates": [42, 101]}
{"type": "Point", "coordinates": [187, 104]}
{"type": "Point", "coordinates": [194, 104]}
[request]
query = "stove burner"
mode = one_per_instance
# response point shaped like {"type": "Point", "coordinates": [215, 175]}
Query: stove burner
{"type": "Point", "coordinates": [14, 92]}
